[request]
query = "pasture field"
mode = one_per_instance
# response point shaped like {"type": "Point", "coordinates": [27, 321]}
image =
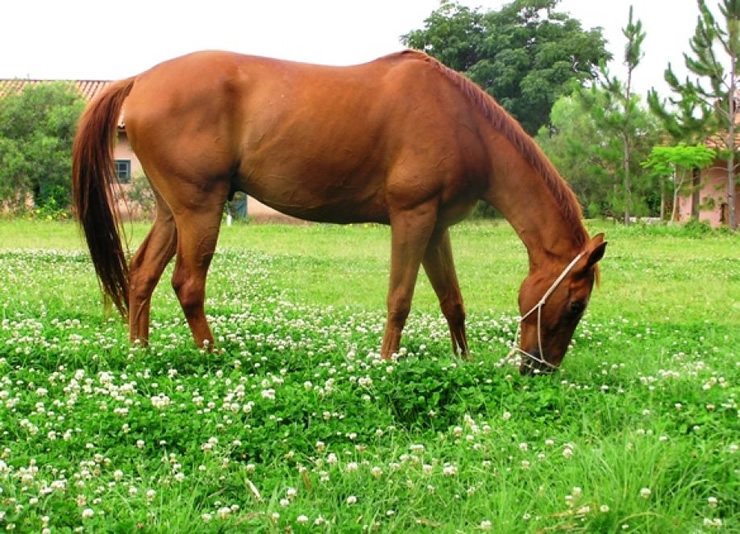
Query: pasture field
{"type": "Point", "coordinates": [295, 425]}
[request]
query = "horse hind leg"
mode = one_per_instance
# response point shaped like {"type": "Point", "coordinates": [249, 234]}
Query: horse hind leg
{"type": "Point", "coordinates": [440, 269]}
{"type": "Point", "coordinates": [146, 269]}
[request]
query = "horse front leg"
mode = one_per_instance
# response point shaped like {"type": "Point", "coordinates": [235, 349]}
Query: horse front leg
{"type": "Point", "coordinates": [440, 268]}
{"type": "Point", "coordinates": [197, 233]}
{"type": "Point", "coordinates": [410, 232]}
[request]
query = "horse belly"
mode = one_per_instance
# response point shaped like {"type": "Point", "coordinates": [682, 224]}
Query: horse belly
{"type": "Point", "coordinates": [319, 197]}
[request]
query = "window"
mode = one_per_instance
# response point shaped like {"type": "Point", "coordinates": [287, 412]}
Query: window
{"type": "Point", "coordinates": [123, 170]}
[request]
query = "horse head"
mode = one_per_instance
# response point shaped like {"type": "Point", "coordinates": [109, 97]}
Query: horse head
{"type": "Point", "coordinates": [552, 300]}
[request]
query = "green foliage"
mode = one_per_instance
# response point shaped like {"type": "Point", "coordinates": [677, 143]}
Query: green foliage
{"type": "Point", "coordinates": [141, 196]}
{"type": "Point", "coordinates": [584, 146]}
{"type": "Point", "coordinates": [37, 130]}
{"type": "Point", "coordinates": [526, 54]}
{"type": "Point", "coordinates": [667, 160]}
{"type": "Point", "coordinates": [676, 163]}
{"type": "Point", "coordinates": [685, 118]}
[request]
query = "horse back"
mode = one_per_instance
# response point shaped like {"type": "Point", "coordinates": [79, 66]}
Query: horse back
{"type": "Point", "coordinates": [316, 142]}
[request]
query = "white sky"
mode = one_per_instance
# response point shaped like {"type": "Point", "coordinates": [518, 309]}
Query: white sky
{"type": "Point", "coordinates": [103, 39]}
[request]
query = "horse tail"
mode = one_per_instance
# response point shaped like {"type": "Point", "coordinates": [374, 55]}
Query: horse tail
{"type": "Point", "coordinates": [93, 174]}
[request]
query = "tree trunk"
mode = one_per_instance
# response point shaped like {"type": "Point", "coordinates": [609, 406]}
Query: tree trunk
{"type": "Point", "coordinates": [731, 212]}
{"type": "Point", "coordinates": [662, 199]}
{"type": "Point", "coordinates": [695, 193]}
{"type": "Point", "coordinates": [627, 192]}
{"type": "Point", "coordinates": [626, 141]}
{"type": "Point", "coordinates": [676, 189]}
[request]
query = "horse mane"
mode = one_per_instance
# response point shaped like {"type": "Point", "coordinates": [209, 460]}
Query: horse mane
{"type": "Point", "coordinates": [515, 134]}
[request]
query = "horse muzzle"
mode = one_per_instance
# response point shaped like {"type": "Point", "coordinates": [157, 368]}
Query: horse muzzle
{"type": "Point", "coordinates": [533, 364]}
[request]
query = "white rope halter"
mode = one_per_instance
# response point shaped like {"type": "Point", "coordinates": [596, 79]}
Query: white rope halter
{"type": "Point", "coordinates": [538, 307]}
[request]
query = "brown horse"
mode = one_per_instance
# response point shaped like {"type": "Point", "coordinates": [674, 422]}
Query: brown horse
{"type": "Point", "coordinates": [402, 140]}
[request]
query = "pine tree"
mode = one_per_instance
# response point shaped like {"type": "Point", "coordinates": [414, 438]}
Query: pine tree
{"type": "Point", "coordinates": [622, 94]}
{"type": "Point", "coordinates": [710, 38]}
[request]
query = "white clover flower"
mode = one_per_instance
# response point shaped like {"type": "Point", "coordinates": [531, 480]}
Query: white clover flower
{"type": "Point", "coordinates": [351, 500]}
{"type": "Point", "coordinates": [206, 517]}
{"type": "Point", "coordinates": [523, 447]}
{"type": "Point", "coordinates": [302, 519]}
{"type": "Point", "coordinates": [712, 501]}
{"type": "Point", "coordinates": [645, 493]}
{"type": "Point", "coordinates": [160, 401]}
{"type": "Point", "coordinates": [604, 508]}
{"type": "Point", "coordinates": [88, 513]}
{"type": "Point", "coordinates": [507, 416]}
{"type": "Point", "coordinates": [449, 470]}
{"type": "Point", "coordinates": [377, 472]}
{"type": "Point", "coordinates": [485, 525]}
{"type": "Point", "coordinates": [567, 452]}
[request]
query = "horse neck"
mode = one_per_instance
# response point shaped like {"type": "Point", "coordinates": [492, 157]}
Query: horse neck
{"type": "Point", "coordinates": [520, 192]}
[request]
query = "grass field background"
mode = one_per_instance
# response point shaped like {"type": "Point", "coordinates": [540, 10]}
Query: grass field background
{"type": "Point", "coordinates": [295, 425]}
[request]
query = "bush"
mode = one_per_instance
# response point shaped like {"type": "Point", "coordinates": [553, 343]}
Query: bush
{"type": "Point", "coordinates": [37, 129]}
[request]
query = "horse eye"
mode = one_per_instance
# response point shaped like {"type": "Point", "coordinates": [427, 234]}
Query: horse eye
{"type": "Point", "coordinates": [577, 306]}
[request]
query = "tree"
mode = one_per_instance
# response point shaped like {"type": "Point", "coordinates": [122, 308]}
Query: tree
{"type": "Point", "coordinates": [569, 143]}
{"type": "Point", "coordinates": [526, 54]}
{"type": "Point", "coordinates": [624, 104]}
{"type": "Point", "coordinates": [677, 162]}
{"type": "Point", "coordinates": [712, 37]}
{"type": "Point", "coordinates": [37, 130]}
{"type": "Point", "coordinates": [582, 144]}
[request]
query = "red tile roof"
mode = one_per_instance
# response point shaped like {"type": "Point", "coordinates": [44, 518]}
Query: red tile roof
{"type": "Point", "coordinates": [87, 88]}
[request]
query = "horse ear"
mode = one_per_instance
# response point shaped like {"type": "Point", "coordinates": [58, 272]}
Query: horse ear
{"type": "Point", "coordinates": [596, 248]}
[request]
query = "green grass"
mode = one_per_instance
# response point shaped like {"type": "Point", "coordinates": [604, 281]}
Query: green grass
{"type": "Point", "coordinates": [294, 424]}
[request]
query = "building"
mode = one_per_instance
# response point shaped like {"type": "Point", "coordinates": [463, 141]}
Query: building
{"type": "Point", "coordinates": [709, 200]}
